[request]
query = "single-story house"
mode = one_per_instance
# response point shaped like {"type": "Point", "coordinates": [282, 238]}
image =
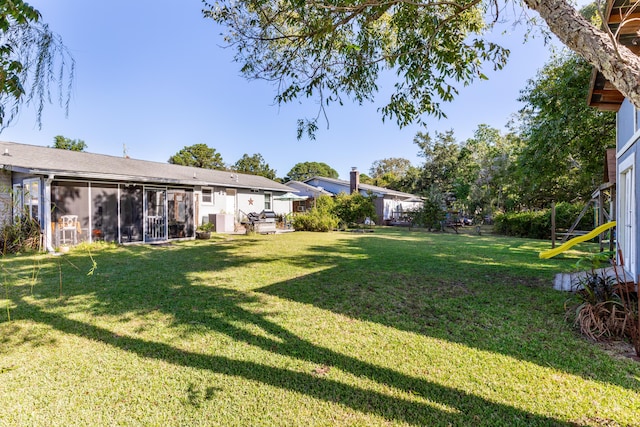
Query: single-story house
{"type": "Point", "coordinates": [79, 196]}
{"type": "Point", "coordinates": [604, 96]}
{"type": "Point", "coordinates": [391, 205]}
{"type": "Point", "coordinates": [305, 190]}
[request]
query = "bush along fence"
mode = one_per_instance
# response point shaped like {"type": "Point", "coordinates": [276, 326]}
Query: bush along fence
{"type": "Point", "coordinates": [537, 224]}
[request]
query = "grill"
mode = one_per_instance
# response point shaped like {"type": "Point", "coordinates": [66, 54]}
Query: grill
{"type": "Point", "coordinates": [268, 216]}
{"type": "Point", "coordinates": [263, 222]}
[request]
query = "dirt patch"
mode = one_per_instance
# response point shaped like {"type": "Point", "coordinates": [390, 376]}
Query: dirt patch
{"type": "Point", "coordinates": [621, 350]}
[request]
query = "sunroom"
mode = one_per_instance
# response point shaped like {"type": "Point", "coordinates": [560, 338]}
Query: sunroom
{"type": "Point", "coordinates": [123, 213]}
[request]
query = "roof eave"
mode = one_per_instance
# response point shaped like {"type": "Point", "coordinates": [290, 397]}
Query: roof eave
{"type": "Point", "coordinates": [602, 94]}
{"type": "Point", "coordinates": [132, 178]}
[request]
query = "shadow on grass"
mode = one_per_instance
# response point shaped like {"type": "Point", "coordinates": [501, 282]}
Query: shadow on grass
{"type": "Point", "coordinates": [486, 293]}
{"type": "Point", "coordinates": [362, 280]}
{"type": "Point", "coordinates": [467, 409]}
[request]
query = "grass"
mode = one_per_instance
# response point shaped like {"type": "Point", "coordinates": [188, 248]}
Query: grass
{"type": "Point", "coordinates": [303, 329]}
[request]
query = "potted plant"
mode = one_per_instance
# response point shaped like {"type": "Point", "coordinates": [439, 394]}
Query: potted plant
{"type": "Point", "coordinates": [204, 231]}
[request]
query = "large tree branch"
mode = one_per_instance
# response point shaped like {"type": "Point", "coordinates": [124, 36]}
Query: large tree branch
{"type": "Point", "coordinates": [616, 62]}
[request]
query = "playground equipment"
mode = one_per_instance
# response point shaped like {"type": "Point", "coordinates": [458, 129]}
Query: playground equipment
{"type": "Point", "coordinates": [603, 201]}
{"type": "Point", "coordinates": [570, 243]}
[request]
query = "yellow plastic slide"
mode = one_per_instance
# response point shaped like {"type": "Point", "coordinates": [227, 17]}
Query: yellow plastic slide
{"type": "Point", "coordinates": [570, 243]}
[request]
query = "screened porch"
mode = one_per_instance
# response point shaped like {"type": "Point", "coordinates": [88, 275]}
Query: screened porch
{"type": "Point", "coordinates": [122, 213]}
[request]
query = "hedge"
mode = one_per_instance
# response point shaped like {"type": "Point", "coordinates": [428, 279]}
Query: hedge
{"type": "Point", "coordinates": [537, 224]}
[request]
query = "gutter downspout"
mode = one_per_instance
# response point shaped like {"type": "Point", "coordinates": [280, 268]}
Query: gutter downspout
{"type": "Point", "coordinates": [46, 214]}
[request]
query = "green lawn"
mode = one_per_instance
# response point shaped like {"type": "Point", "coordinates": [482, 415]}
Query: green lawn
{"type": "Point", "coordinates": [303, 329]}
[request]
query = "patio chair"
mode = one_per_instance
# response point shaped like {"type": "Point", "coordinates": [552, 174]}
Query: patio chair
{"type": "Point", "coordinates": [68, 226]}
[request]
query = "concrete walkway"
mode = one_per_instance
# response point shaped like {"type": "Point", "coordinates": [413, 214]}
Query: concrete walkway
{"type": "Point", "coordinates": [571, 281]}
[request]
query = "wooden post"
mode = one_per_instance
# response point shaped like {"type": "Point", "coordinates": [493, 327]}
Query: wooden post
{"type": "Point", "coordinates": [612, 215]}
{"type": "Point", "coordinates": [553, 225]}
{"type": "Point", "coordinates": [600, 218]}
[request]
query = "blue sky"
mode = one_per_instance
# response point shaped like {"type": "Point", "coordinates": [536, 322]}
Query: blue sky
{"type": "Point", "coordinates": [153, 76]}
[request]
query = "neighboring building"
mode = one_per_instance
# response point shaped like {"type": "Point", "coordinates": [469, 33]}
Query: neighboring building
{"type": "Point", "coordinates": [306, 190]}
{"type": "Point", "coordinates": [604, 96]}
{"type": "Point", "coordinates": [390, 205]}
{"type": "Point", "coordinates": [121, 199]}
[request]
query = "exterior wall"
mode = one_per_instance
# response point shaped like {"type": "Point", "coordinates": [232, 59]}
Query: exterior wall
{"type": "Point", "coordinates": [205, 208]}
{"type": "Point", "coordinates": [331, 187]}
{"type": "Point", "coordinates": [239, 202]}
{"type": "Point", "coordinates": [626, 124]}
{"type": "Point", "coordinates": [223, 202]}
{"type": "Point", "coordinates": [251, 202]}
{"type": "Point", "coordinates": [628, 190]}
{"type": "Point", "coordinates": [6, 198]}
{"type": "Point", "coordinates": [256, 202]}
{"type": "Point", "coordinates": [381, 207]}
{"type": "Point", "coordinates": [303, 205]}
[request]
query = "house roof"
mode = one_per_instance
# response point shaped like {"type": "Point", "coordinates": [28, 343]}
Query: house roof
{"type": "Point", "coordinates": [305, 189]}
{"type": "Point", "coordinates": [602, 94]}
{"type": "Point", "coordinates": [73, 164]}
{"type": "Point", "coordinates": [365, 187]}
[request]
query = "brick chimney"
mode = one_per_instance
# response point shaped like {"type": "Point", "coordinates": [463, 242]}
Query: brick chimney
{"type": "Point", "coordinates": [354, 182]}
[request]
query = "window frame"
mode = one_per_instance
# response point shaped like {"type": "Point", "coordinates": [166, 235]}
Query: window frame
{"type": "Point", "coordinates": [268, 200]}
{"type": "Point", "coordinates": [211, 192]}
{"type": "Point", "coordinates": [28, 197]}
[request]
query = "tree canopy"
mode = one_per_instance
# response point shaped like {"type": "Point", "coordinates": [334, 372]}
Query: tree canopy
{"type": "Point", "coordinates": [334, 50]}
{"type": "Point", "coordinates": [254, 165]}
{"type": "Point", "coordinates": [441, 154]}
{"type": "Point", "coordinates": [305, 170]}
{"type": "Point", "coordinates": [200, 156]}
{"type": "Point", "coordinates": [394, 165]}
{"type": "Point", "coordinates": [484, 181]}
{"type": "Point", "coordinates": [564, 140]}
{"type": "Point", "coordinates": [554, 152]}
{"type": "Point", "coordinates": [69, 144]}
{"type": "Point", "coordinates": [33, 62]}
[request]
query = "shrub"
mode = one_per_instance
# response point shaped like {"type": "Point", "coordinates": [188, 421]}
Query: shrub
{"type": "Point", "coordinates": [604, 309]}
{"type": "Point", "coordinates": [23, 235]}
{"type": "Point", "coordinates": [428, 216]}
{"type": "Point", "coordinates": [325, 204]}
{"type": "Point", "coordinates": [315, 220]}
{"type": "Point", "coordinates": [354, 208]}
{"type": "Point", "coordinates": [567, 214]}
{"type": "Point", "coordinates": [537, 224]}
{"type": "Point", "coordinates": [207, 227]}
